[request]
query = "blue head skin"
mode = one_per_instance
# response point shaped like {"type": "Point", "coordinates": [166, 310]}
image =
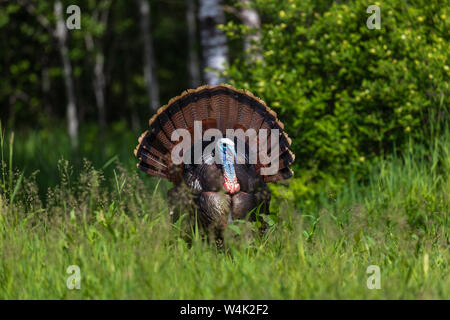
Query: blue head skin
{"type": "Point", "coordinates": [227, 155]}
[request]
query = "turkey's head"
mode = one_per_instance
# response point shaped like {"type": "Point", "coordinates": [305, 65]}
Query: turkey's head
{"type": "Point", "coordinates": [226, 154]}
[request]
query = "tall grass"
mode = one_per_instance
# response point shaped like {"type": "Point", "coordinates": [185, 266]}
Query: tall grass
{"type": "Point", "coordinates": [116, 228]}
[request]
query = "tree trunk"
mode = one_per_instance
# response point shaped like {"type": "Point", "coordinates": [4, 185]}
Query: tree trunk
{"type": "Point", "coordinates": [46, 86]}
{"type": "Point", "coordinates": [250, 18]}
{"type": "Point", "coordinates": [149, 57]}
{"type": "Point", "coordinates": [213, 40]}
{"type": "Point", "coordinates": [99, 88]}
{"type": "Point", "coordinates": [99, 82]}
{"type": "Point", "coordinates": [193, 63]}
{"type": "Point", "coordinates": [61, 35]}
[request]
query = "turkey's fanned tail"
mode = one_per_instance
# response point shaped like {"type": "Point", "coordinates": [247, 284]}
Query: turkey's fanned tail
{"type": "Point", "coordinates": [222, 107]}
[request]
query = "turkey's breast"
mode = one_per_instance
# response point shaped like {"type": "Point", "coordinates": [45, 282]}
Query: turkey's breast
{"type": "Point", "coordinates": [215, 206]}
{"type": "Point", "coordinates": [218, 208]}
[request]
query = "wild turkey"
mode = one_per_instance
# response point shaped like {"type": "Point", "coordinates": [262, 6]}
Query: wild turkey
{"type": "Point", "coordinates": [232, 186]}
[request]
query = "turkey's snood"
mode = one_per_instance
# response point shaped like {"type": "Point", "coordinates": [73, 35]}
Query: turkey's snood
{"type": "Point", "coordinates": [227, 155]}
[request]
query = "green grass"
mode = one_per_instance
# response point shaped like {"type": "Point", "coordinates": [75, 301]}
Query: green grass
{"type": "Point", "coordinates": [114, 225]}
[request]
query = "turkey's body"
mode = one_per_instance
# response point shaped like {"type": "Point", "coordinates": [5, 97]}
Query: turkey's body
{"type": "Point", "coordinates": [203, 184]}
{"type": "Point", "coordinates": [224, 185]}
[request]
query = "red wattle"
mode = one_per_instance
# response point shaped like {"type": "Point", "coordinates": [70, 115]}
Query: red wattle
{"type": "Point", "coordinates": [231, 186]}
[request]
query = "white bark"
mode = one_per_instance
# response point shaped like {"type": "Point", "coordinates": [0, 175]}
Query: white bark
{"type": "Point", "coordinates": [99, 88]}
{"type": "Point", "coordinates": [99, 82]}
{"type": "Point", "coordinates": [149, 56]}
{"type": "Point", "coordinates": [193, 61]}
{"type": "Point", "coordinates": [213, 40]}
{"type": "Point", "coordinates": [61, 36]}
{"type": "Point", "coordinates": [251, 19]}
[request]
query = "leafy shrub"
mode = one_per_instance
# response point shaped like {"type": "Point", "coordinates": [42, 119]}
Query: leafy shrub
{"type": "Point", "coordinates": [348, 94]}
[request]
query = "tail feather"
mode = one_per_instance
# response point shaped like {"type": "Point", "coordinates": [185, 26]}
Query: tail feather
{"type": "Point", "coordinates": [203, 106]}
{"type": "Point", "coordinates": [219, 110]}
{"type": "Point", "coordinates": [151, 160]}
{"type": "Point", "coordinates": [177, 117]}
{"type": "Point", "coordinates": [150, 170]}
{"type": "Point", "coordinates": [233, 112]}
{"type": "Point", "coordinates": [282, 174]}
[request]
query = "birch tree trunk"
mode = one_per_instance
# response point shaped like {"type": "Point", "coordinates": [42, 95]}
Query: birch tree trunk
{"type": "Point", "coordinates": [251, 19]}
{"type": "Point", "coordinates": [61, 36]}
{"type": "Point", "coordinates": [99, 82]}
{"type": "Point", "coordinates": [99, 88]}
{"type": "Point", "coordinates": [149, 56]}
{"type": "Point", "coordinates": [193, 63]}
{"type": "Point", "coordinates": [213, 40]}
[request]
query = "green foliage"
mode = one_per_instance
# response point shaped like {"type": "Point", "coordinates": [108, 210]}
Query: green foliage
{"type": "Point", "coordinates": [32, 84]}
{"type": "Point", "coordinates": [348, 94]}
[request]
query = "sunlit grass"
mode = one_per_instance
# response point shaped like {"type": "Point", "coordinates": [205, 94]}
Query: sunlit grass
{"type": "Point", "coordinates": [116, 228]}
